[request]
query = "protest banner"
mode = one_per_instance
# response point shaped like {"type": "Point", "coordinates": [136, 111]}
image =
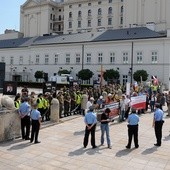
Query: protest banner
{"type": "Point", "coordinates": [114, 107]}
{"type": "Point", "coordinates": [138, 102]}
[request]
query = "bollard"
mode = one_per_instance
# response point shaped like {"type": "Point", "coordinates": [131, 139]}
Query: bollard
{"type": "Point", "coordinates": [54, 110]}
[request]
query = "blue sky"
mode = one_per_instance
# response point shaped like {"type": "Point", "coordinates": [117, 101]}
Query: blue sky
{"type": "Point", "coordinates": [10, 14]}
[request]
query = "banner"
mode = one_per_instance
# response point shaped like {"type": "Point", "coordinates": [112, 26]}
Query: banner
{"type": "Point", "coordinates": [138, 102]}
{"type": "Point", "coordinates": [114, 107]}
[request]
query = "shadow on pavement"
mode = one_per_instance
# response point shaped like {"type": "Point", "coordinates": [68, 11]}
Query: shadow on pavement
{"type": "Point", "coordinates": [167, 138]}
{"type": "Point", "coordinates": [11, 142]}
{"type": "Point", "coordinates": [79, 133]}
{"type": "Point", "coordinates": [149, 150]}
{"type": "Point", "coordinates": [20, 146]}
{"type": "Point", "coordinates": [78, 152]}
{"type": "Point", "coordinates": [124, 152]}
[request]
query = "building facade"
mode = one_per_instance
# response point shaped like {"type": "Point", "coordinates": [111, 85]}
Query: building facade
{"type": "Point", "coordinates": [39, 17]}
{"type": "Point", "coordinates": [23, 57]}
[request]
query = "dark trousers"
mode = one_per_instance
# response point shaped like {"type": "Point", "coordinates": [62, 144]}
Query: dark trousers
{"type": "Point", "coordinates": [86, 137]}
{"type": "Point", "coordinates": [158, 131]}
{"type": "Point", "coordinates": [41, 110]}
{"type": "Point", "coordinates": [25, 127]}
{"type": "Point", "coordinates": [132, 132]}
{"type": "Point", "coordinates": [127, 112]}
{"type": "Point", "coordinates": [35, 130]}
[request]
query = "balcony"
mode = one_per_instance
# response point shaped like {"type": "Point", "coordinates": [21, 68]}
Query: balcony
{"type": "Point", "coordinates": [58, 20]}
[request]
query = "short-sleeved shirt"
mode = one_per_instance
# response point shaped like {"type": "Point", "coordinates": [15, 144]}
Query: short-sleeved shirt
{"type": "Point", "coordinates": [158, 115]}
{"type": "Point", "coordinates": [24, 109]}
{"type": "Point", "coordinates": [133, 119]}
{"type": "Point", "coordinates": [104, 117]}
{"type": "Point", "coordinates": [90, 118]}
{"type": "Point", "coordinates": [35, 114]}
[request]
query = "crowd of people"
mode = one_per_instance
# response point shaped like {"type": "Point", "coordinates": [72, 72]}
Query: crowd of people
{"type": "Point", "coordinates": [74, 101]}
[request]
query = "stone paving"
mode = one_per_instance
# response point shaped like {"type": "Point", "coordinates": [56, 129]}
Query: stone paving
{"type": "Point", "coordinates": [61, 148]}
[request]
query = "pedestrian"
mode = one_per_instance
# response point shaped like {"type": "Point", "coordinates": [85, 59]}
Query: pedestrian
{"type": "Point", "coordinates": [133, 120]}
{"type": "Point", "coordinates": [158, 123]}
{"type": "Point", "coordinates": [24, 112]}
{"type": "Point", "coordinates": [122, 109]}
{"type": "Point", "coordinates": [36, 123]}
{"type": "Point", "coordinates": [90, 122]}
{"type": "Point", "coordinates": [105, 127]}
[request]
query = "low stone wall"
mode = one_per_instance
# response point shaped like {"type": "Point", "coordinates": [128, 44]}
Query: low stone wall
{"type": "Point", "coordinates": [9, 125]}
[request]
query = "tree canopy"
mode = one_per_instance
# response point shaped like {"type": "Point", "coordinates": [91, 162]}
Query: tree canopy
{"type": "Point", "coordinates": [85, 74]}
{"type": "Point", "coordinates": [140, 75]}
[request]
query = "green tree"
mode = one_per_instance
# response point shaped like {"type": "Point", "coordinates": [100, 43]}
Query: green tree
{"type": "Point", "coordinates": [140, 74]}
{"type": "Point", "coordinates": [111, 74]}
{"type": "Point", "coordinates": [85, 74]}
{"type": "Point", "coordinates": [63, 72]}
{"type": "Point", "coordinates": [38, 75]}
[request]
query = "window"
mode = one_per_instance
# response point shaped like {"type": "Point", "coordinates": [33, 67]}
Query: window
{"type": "Point", "coordinates": [46, 59]}
{"type": "Point", "coordinates": [70, 25]}
{"type": "Point", "coordinates": [59, 10]}
{"type": "Point", "coordinates": [89, 23]}
{"type": "Point", "coordinates": [21, 60]}
{"type": "Point", "coordinates": [110, 1]}
{"type": "Point", "coordinates": [70, 14]}
{"type": "Point", "coordinates": [79, 5]}
{"type": "Point", "coordinates": [99, 2]}
{"type": "Point", "coordinates": [12, 60]}
{"type": "Point", "coordinates": [99, 11]}
{"type": "Point", "coordinates": [125, 57]}
{"type": "Point", "coordinates": [77, 58]}
{"type": "Point", "coordinates": [109, 21]}
{"type": "Point", "coordinates": [56, 59]}
{"type": "Point", "coordinates": [79, 24]}
{"type": "Point", "coordinates": [89, 12]}
{"type": "Point", "coordinates": [125, 79]}
{"type": "Point", "coordinates": [99, 22]}
{"type": "Point", "coordinates": [154, 57]}
{"type": "Point", "coordinates": [110, 10]}
{"type": "Point", "coordinates": [51, 16]}
{"type": "Point", "coordinates": [100, 57]}
{"type": "Point", "coordinates": [139, 57]}
{"type": "Point", "coordinates": [79, 14]}
{"type": "Point", "coordinates": [89, 4]}
{"type": "Point", "coordinates": [51, 26]}
{"type": "Point", "coordinates": [112, 57]}
{"type": "Point", "coordinates": [67, 58]}
{"type": "Point", "coordinates": [70, 6]}
{"type": "Point", "coordinates": [37, 59]}
{"type": "Point", "coordinates": [121, 20]}
{"type": "Point", "coordinates": [88, 58]}
{"type": "Point", "coordinates": [121, 10]}
{"type": "Point", "coordinates": [3, 59]}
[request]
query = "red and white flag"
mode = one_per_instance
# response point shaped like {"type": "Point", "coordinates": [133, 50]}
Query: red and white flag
{"type": "Point", "coordinates": [155, 80]}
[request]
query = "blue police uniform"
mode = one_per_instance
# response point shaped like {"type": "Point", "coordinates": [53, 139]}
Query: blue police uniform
{"type": "Point", "coordinates": [35, 116]}
{"type": "Point", "coordinates": [133, 120]}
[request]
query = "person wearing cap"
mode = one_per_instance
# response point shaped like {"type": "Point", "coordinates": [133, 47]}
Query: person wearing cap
{"type": "Point", "coordinates": [100, 102]}
{"type": "Point", "coordinates": [90, 121]}
{"type": "Point", "coordinates": [90, 103]}
{"type": "Point", "coordinates": [24, 112]}
{"type": "Point", "coordinates": [133, 120]}
{"type": "Point", "coordinates": [109, 98]}
{"type": "Point", "coordinates": [158, 123]}
{"type": "Point", "coordinates": [105, 127]}
{"type": "Point", "coordinates": [36, 122]}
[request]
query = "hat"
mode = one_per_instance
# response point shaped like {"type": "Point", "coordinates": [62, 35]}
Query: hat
{"type": "Point", "coordinates": [91, 108]}
{"type": "Point", "coordinates": [109, 94]}
{"type": "Point", "coordinates": [157, 105]}
{"type": "Point", "coordinates": [101, 97]}
{"type": "Point", "coordinates": [91, 98]}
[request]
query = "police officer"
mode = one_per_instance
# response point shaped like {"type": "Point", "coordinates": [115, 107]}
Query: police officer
{"type": "Point", "coordinates": [90, 121]}
{"type": "Point", "coordinates": [157, 123]}
{"type": "Point", "coordinates": [24, 112]}
{"type": "Point", "coordinates": [133, 120]}
{"type": "Point", "coordinates": [36, 122]}
{"type": "Point", "coordinates": [40, 102]}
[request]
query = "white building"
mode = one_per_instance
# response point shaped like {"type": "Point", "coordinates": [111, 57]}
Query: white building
{"type": "Point", "coordinates": [112, 48]}
{"type": "Point", "coordinates": [40, 17]}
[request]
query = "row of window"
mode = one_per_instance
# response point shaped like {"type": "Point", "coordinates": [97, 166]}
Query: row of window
{"type": "Point", "coordinates": [110, 11]}
{"type": "Point", "coordinates": [89, 4]}
{"type": "Point", "coordinates": [99, 23]}
{"type": "Point", "coordinates": [112, 57]}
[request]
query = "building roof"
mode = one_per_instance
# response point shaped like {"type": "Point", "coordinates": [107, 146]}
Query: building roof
{"type": "Point", "coordinates": [127, 34]}
{"type": "Point", "coordinates": [109, 35]}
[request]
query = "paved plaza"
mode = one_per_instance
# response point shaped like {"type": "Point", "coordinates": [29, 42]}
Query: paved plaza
{"type": "Point", "coordinates": [61, 148]}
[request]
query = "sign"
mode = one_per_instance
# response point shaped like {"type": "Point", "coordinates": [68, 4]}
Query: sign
{"type": "Point", "coordinates": [9, 88]}
{"type": "Point", "coordinates": [128, 88]}
{"type": "Point", "coordinates": [49, 87]}
{"type": "Point", "coordinates": [114, 107]}
{"type": "Point", "coordinates": [138, 102]}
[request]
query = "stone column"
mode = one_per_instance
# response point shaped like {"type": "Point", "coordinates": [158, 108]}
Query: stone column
{"type": "Point", "coordinates": [54, 110]}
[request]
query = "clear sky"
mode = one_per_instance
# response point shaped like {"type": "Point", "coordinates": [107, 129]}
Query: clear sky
{"type": "Point", "coordinates": [10, 14]}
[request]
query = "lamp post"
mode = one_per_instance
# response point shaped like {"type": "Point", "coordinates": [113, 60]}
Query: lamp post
{"type": "Point", "coordinates": [131, 63]}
